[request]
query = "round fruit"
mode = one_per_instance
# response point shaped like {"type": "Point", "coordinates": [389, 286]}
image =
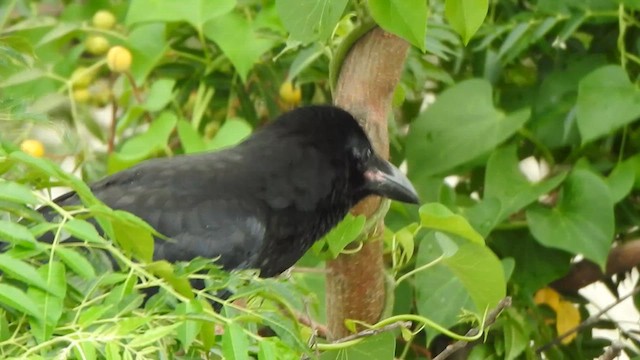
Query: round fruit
{"type": "Point", "coordinates": [32, 147]}
{"type": "Point", "coordinates": [81, 95]}
{"type": "Point", "coordinates": [104, 19]}
{"type": "Point", "coordinates": [290, 93]}
{"type": "Point", "coordinates": [119, 59]}
{"type": "Point", "coordinates": [96, 44]}
{"type": "Point", "coordinates": [81, 78]}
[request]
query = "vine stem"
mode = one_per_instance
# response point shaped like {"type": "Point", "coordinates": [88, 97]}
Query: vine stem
{"type": "Point", "coordinates": [476, 332]}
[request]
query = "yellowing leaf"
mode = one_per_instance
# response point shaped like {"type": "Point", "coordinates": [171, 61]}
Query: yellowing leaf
{"type": "Point", "coordinates": [547, 296]}
{"type": "Point", "coordinates": [568, 317]}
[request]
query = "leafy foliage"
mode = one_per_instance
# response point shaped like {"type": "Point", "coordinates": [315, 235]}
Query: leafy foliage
{"type": "Point", "coordinates": [551, 84]}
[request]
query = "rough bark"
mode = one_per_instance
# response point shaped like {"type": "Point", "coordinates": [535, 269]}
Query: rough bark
{"type": "Point", "coordinates": [368, 77]}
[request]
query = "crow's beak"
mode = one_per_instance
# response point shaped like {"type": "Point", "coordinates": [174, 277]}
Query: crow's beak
{"type": "Point", "coordinates": [384, 179]}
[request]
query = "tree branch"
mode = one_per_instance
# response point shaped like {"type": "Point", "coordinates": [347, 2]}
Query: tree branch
{"type": "Point", "coordinates": [368, 77]}
{"type": "Point", "coordinates": [612, 352]}
{"type": "Point", "coordinates": [622, 258]}
{"type": "Point", "coordinates": [491, 318]}
{"type": "Point", "coordinates": [588, 322]}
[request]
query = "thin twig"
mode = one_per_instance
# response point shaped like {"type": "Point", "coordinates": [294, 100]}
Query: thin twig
{"type": "Point", "coordinates": [612, 352]}
{"type": "Point", "coordinates": [306, 320]}
{"type": "Point", "coordinates": [114, 119]}
{"type": "Point", "coordinates": [588, 322]}
{"type": "Point", "coordinates": [371, 332]}
{"type": "Point", "coordinates": [491, 318]}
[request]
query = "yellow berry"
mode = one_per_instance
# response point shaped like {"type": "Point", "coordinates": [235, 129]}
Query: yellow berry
{"type": "Point", "coordinates": [96, 44]}
{"type": "Point", "coordinates": [81, 95]}
{"type": "Point", "coordinates": [104, 19]}
{"type": "Point", "coordinates": [32, 147]}
{"type": "Point", "coordinates": [290, 93]}
{"type": "Point", "coordinates": [81, 77]}
{"type": "Point", "coordinates": [119, 59]}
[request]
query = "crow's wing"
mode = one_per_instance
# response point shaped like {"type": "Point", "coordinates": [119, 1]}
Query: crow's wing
{"type": "Point", "coordinates": [185, 199]}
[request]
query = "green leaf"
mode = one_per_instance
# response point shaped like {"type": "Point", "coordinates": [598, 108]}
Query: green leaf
{"type": "Point", "coordinates": [438, 217]}
{"type": "Point", "coordinates": [516, 338]}
{"type": "Point", "coordinates": [89, 315]}
{"type": "Point", "coordinates": [143, 145]}
{"type": "Point", "coordinates": [83, 230]}
{"type": "Point", "coordinates": [191, 141]}
{"type": "Point", "coordinates": [16, 299]}
{"type": "Point", "coordinates": [58, 31]}
{"type": "Point", "coordinates": [377, 347]}
{"type": "Point", "coordinates": [311, 20]}
{"type": "Point", "coordinates": [405, 18]}
{"type": "Point", "coordinates": [18, 193]}
{"type": "Point", "coordinates": [531, 272]}
{"type": "Point", "coordinates": [231, 132]}
{"type": "Point", "coordinates": [76, 262]}
{"type": "Point", "coordinates": [344, 233]}
{"type": "Point", "coordinates": [112, 351]}
{"type": "Point", "coordinates": [235, 36]}
{"type": "Point", "coordinates": [466, 16]}
{"type": "Point", "coordinates": [152, 335]}
{"type": "Point", "coordinates": [459, 127]}
{"type": "Point", "coordinates": [607, 101]}
{"type": "Point", "coordinates": [86, 350]}
{"type": "Point", "coordinates": [133, 235]}
{"type": "Point", "coordinates": [188, 329]}
{"type": "Point", "coordinates": [304, 59]}
{"type": "Point", "coordinates": [505, 182]}
{"type": "Point", "coordinates": [583, 220]}
{"type": "Point", "coordinates": [50, 306]}
{"type": "Point", "coordinates": [621, 180]}
{"type": "Point", "coordinates": [49, 168]}
{"type": "Point", "coordinates": [266, 350]}
{"type": "Point", "coordinates": [195, 12]}
{"type": "Point", "coordinates": [554, 121]}
{"type": "Point", "coordinates": [16, 234]}
{"type": "Point", "coordinates": [484, 215]}
{"type": "Point", "coordinates": [235, 344]}
{"type": "Point", "coordinates": [160, 94]}
{"type": "Point", "coordinates": [470, 278]}
{"type": "Point", "coordinates": [26, 273]}
{"type": "Point", "coordinates": [164, 270]}
{"type": "Point", "coordinates": [148, 45]}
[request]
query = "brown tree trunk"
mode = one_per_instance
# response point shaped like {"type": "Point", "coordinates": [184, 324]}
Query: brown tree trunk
{"type": "Point", "coordinates": [368, 77]}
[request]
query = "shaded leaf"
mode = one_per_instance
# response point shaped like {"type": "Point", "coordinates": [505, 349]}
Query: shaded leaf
{"type": "Point", "coordinates": [607, 100]}
{"type": "Point", "coordinates": [76, 262]}
{"type": "Point", "coordinates": [583, 220]}
{"type": "Point", "coordinates": [460, 126]}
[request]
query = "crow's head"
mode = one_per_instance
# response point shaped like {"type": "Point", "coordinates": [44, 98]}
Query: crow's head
{"type": "Point", "coordinates": [339, 136]}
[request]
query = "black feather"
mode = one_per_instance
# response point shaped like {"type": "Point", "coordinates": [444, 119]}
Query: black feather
{"type": "Point", "coordinates": [260, 204]}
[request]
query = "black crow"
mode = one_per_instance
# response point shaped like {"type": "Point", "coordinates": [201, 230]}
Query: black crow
{"type": "Point", "coordinates": [262, 203]}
